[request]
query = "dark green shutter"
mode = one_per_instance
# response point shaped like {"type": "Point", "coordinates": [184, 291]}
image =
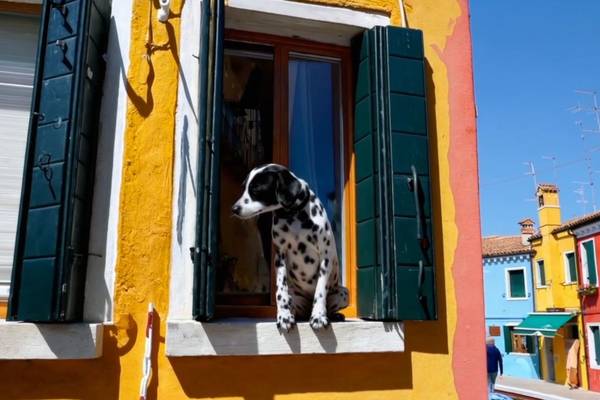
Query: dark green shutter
{"type": "Point", "coordinates": [53, 229]}
{"type": "Point", "coordinates": [517, 283]}
{"type": "Point", "coordinates": [591, 261]}
{"type": "Point", "coordinates": [542, 273]}
{"type": "Point", "coordinates": [530, 344]}
{"type": "Point", "coordinates": [205, 252]}
{"type": "Point", "coordinates": [596, 338]}
{"type": "Point", "coordinates": [395, 250]}
{"type": "Point", "coordinates": [572, 267]}
{"type": "Point", "coordinates": [506, 330]}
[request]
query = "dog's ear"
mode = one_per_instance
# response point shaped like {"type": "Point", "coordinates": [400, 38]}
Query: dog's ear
{"type": "Point", "coordinates": [290, 191]}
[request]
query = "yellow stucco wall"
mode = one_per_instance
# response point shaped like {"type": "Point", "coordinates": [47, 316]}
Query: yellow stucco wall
{"type": "Point", "coordinates": [425, 370]}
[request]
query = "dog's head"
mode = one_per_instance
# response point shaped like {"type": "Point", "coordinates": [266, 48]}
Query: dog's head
{"type": "Point", "coordinates": [269, 188]}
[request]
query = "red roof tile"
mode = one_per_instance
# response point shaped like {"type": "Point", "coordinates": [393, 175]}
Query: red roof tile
{"type": "Point", "coordinates": [494, 246]}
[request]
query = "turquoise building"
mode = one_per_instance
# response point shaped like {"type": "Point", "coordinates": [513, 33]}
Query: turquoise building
{"type": "Point", "coordinates": [508, 290]}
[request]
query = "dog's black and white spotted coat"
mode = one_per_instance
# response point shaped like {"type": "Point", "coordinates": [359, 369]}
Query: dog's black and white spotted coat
{"type": "Point", "coordinates": [307, 265]}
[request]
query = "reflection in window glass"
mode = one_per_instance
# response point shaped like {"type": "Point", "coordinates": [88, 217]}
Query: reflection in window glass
{"type": "Point", "coordinates": [243, 273]}
{"type": "Point", "coordinates": [314, 132]}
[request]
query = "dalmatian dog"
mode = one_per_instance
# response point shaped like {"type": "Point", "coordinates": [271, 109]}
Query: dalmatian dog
{"type": "Point", "coordinates": [306, 261]}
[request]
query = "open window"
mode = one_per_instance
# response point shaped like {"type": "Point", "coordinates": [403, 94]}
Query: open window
{"type": "Point", "coordinates": [282, 103]}
{"type": "Point", "coordinates": [346, 119]}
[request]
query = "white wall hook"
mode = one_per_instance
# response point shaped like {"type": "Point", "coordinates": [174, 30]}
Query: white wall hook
{"type": "Point", "coordinates": [163, 13]}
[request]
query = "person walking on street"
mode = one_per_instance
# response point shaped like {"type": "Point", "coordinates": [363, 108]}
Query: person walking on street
{"type": "Point", "coordinates": [494, 360]}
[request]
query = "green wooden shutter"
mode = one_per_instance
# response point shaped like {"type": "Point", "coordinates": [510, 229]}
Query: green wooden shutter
{"type": "Point", "coordinates": [596, 338]}
{"type": "Point", "coordinates": [572, 267]}
{"type": "Point", "coordinates": [53, 229]}
{"type": "Point", "coordinates": [517, 283]}
{"type": "Point", "coordinates": [395, 251]}
{"type": "Point", "coordinates": [530, 344]}
{"type": "Point", "coordinates": [205, 252]}
{"type": "Point", "coordinates": [506, 330]}
{"type": "Point", "coordinates": [591, 261]}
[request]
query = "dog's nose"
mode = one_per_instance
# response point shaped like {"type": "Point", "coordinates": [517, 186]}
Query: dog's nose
{"type": "Point", "coordinates": [236, 209]}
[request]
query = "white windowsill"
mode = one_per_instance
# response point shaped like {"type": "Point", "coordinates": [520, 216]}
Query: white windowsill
{"type": "Point", "coordinates": [259, 337]}
{"type": "Point", "coordinates": [70, 341]}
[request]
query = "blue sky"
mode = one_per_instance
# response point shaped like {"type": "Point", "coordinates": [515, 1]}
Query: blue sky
{"type": "Point", "coordinates": [529, 58]}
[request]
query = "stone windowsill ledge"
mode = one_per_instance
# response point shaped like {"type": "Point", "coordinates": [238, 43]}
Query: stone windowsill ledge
{"type": "Point", "coordinates": [69, 341]}
{"type": "Point", "coordinates": [229, 337]}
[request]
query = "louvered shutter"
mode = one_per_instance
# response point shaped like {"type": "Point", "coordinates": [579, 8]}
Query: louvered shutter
{"type": "Point", "coordinates": [204, 254]}
{"type": "Point", "coordinates": [53, 229]}
{"type": "Point", "coordinates": [394, 219]}
{"type": "Point", "coordinates": [506, 331]}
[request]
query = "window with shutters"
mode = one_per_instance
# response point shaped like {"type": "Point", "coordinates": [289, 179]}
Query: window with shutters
{"type": "Point", "coordinates": [570, 267]}
{"type": "Point", "coordinates": [587, 250]}
{"type": "Point", "coordinates": [515, 343]}
{"type": "Point", "coordinates": [307, 125]}
{"type": "Point", "coordinates": [516, 284]}
{"type": "Point", "coordinates": [540, 274]}
{"type": "Point", "coordinates": [593, 340]}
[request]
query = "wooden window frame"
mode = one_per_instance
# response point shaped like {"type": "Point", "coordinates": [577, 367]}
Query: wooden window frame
{"type": "Point", "coordinates": [282, 48]}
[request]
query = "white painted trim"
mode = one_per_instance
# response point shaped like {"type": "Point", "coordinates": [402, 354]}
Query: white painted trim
{"type": "Point", "coordinates": [321, 23]}
{"type": "Point", "coordinates": [592, 345]}
{"type": "Point", "coordinates": [104, 231]}
{"type": "Point", "coordinates": [185, 164]}
{"type": "Point", "coordinates": [26, 341]}
{"type": "Point", "coordinates": [507, 283]}
{"type": "Point", "coordinates": [584, 262]}
{"type": "Point", "coordinates": [566, 267]}
{"type": "Point", "coordinates": [255, 337]}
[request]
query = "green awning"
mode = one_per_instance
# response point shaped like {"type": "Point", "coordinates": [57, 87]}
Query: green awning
{"type": "Point", "coordinates": [543, 324]}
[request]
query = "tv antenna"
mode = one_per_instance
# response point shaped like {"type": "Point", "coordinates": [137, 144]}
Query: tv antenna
{"type": "Point", "coordinates": [594, 109]}
{"type": "Point", "coordinates": [580, 191]}
{"type": "Point", "coordinates": [532, 173]}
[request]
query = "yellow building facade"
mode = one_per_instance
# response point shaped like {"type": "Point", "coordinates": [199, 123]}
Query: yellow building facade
{"type": "Point", "coordinates": [441, 359]}
{"type": "Point", "coordinates": [555, 290]}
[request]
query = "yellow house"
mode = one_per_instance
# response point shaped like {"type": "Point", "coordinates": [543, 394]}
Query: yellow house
{"type": "Point", "coordinates": [555, 281]}
{"type": "Point", "coordinates": [258, 77]}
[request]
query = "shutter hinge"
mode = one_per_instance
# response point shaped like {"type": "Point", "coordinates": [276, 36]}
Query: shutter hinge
{"type": "Point", "coordinates": [63, 288]}
{"type": "Point", "coordinates": [194, 251]}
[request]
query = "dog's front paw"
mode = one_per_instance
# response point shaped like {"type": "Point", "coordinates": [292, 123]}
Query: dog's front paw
{"type": "Point", "coordinates": [285, 322]}
{"type": "Point", "coordinates": [319, 321]}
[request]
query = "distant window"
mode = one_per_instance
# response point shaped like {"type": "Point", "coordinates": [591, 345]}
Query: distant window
{"type": "Point", "coordinates": [594, 344]}
{"type": "Point", "coordinates": [541, 200]}
{"type": "Point", "coordinates": [515, 282]}
{"type": "Point", "coordinates": [588, 263]}
{"type": "Point", "coordinates": [570, 268]}
{"type": "Point", "coordinates": [541, 273]}
{"type": "Point", "coordinates": [514, 343]}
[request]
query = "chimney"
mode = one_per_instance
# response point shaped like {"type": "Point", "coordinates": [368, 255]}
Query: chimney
{"type": "Point", "coordinates": [526, 230]}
